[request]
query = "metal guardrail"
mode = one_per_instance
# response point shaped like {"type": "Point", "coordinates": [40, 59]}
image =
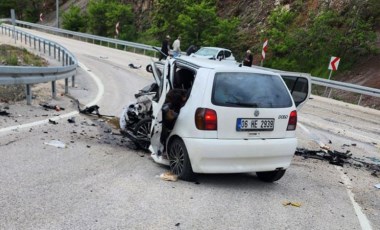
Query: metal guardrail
{"type": "Point", "coordinates": [28, 75]}
{"type": "Point", "coordinates": [362, 90]}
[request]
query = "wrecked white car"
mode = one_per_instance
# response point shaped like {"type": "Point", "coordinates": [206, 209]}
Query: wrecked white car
{"type": "Point", "coordinates": [202, 116]}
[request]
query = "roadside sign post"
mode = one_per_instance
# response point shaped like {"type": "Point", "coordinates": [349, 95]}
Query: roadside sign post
{"type": "Point", "coordinates": [13, 17]}
{"type": "Point", "coordinates": [333, 66]}
{"type": "Point", "coordinates": [263, 51]}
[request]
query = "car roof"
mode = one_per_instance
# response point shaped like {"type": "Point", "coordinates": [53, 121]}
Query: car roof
{"type": "Point", "coordinates": [216, 48]}
{"type": "Point", "coordinates": [218, 66]}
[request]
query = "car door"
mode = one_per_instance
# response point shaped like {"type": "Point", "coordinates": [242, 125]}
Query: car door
{"type": "Point", "coordinates": [156, 146]}
{"type": "Point", "coordinates": [299, 85]}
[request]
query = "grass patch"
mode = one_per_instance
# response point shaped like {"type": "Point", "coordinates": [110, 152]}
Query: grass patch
{"type": "Point", "coordinates": [14, 56]}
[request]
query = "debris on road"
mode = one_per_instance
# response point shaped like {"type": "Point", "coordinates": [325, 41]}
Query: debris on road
{"type": "Point", "coordinates": [177, 224]}
{"type": "Point", "coordinates": [4, 113]}
{"type": "Point", "coordinates": [71, 120]}
{"type": "Point", "coordinates": [56, 143]}
{"type": "Point", "coordinates": [134, 66]}
{"type": "Point", "coordinates": [168, 176]}
{"type": "Point", "coordinates": [53, 122]}
{"type": "Point", "coordinates": [53, 107]}
{"type": "Point", "coordinates": [340, 159]}
{"type": "Point", "coordinates": [377, 186]}
{"type": "Point", "coordinates": [290, 203]}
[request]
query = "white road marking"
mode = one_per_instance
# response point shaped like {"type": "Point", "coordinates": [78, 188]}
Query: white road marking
{"type": "Point", "coordinates": [45, 121]}
{"type": "Point", "coordinates": [363, 220]}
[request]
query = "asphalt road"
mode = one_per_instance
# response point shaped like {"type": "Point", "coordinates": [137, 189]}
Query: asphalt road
{"type": "Point", "coordinates": [99, 182]}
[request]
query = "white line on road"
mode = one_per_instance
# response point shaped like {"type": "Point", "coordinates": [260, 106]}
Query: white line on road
{"type": "Point", "coordinates": [45, 121]}
{"type": "Point", "coordinates": [363, 220]}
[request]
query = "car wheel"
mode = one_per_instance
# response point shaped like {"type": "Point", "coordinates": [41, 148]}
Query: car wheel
{"type": "Point", "coordinates": [142, 133]}
{"type": "Point", "coordinates": [180, 161]}
{"type": "Point", "coordinates": [271, 176]}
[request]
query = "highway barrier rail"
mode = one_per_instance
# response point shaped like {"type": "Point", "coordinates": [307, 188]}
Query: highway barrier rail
{"type": "Point", "coordinates": [29, 75]}
{"type": "Point", "coordinates": [119, 44]}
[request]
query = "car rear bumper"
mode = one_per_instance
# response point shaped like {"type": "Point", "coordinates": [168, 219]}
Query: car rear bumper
{"type": "Point", "coordinates": [237, 156]}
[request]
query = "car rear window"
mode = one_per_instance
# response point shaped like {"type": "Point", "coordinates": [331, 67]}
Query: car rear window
{"type": "Point", "coordinates": [250, 90]}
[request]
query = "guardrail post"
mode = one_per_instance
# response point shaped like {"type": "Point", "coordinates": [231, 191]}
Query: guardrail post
{"type": "Point", "coordinates": [59, 53]}
{"type": "Point", "coordinates": [49, 49]}
{"type": "Point", "coordinates": [26, 40]}
{"type": "Point", "coordinates": [66, 85]}
{"type": "Point", "coordinates": [39, 45]}
{"type": "Point", "coordinates": [55, 52]}
{"type": "Point", "coordinates": [67, 59]}
{"type": "Point", "coordinates": [134, 50]}
{"type": "Point", "coordinates": [360, 99]}
{"type": "Point", "coordinates": [28, 95]}
{"type": "Point", "coordinates": [44, 47]}
{"type": "Point", "coordinates": [30, 41]}
{"type": "Point", "coordinates": [73, 81]}
{"type": "Point", "coordinates": [21, 37]}
{"type": "Point", "coordinates": [34, 42]}
{"type": "Point", "coordinates": [144, 51]}
{"type": "Point", "coordinates": [53, 90]}
{"type": "Point", "coordinates": [63, 58]}
{"type": "Point", "coordinates": [125, 47]}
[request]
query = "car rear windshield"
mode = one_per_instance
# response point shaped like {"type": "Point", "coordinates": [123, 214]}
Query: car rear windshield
{"type": "Point", "coordinates": [250, 90]}
{"type": "Point", "coordinates": [207, 52]}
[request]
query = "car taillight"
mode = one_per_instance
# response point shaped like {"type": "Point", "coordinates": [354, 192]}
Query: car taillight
{"type": "Point", "coordinates": [292, 124]}
{"type": "Point", "coordinates": [206, 119]}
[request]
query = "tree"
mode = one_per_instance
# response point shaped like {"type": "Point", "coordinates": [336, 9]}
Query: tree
{"type": "Point", "coordinates": [74, 20]}
{"type": "Point", "coordinates": [103, 16]}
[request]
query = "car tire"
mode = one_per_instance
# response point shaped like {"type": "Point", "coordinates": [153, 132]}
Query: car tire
{"type": "Point", "coordinates": [271, 176]}
{"type": "Point", "coordinates": [179, 160]}
{"type": "Point", "coordinates": [142, 131]}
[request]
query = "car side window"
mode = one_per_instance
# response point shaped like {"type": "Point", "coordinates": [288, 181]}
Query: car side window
{"type": "Point", "coordinates": [298, 88]}
{"type": "Point", "coordinates": [227, 54]}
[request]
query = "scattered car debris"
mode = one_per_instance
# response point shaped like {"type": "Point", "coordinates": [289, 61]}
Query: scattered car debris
{"type": "Point", "coordinates": [377, 186]}
{"type": "Point", "coordinates": [168, 176]}
{"type": "Point", "coordinates": [334, 157]}
{"type": "Point", "coordinates": [56, 143]}
{"type": "Point", "coordinates": [71, 120]}
{"type": "Point", "coordinates": [177, 224]}
{"type": "Point", "coordinates": [340, 159]}
{"type": "Point", "coordinates": [53, 122]}
{"type": "Point", "coordinates": [53, 107]}
{"type": "Point", "coordinates": [4, 113]}
{"type": "Point", "coordinates": [134, 66]}
{"type": "Point", "coordinates": [290, 203]}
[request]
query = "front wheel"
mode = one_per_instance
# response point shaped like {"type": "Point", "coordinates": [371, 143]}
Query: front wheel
{"type": "Point", "coordinates": [142, 133]}
{"type": "Point", "coordinates": [179, 160]}
{"type": "Point", "coordinates": [271, 176]}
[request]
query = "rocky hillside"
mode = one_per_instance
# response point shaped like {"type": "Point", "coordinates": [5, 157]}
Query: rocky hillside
{"type": "Point", "coordinates": [253, 17]}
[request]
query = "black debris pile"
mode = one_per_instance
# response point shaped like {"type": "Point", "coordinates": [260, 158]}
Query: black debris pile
{"type": "Point", "coordinates": [131, 65]}
{"type": "Point", "coordinates": [340, 159]}
{"type": "Point", "coordinates": [4, 113]}
{"type": "Point", "coordinates": [333, 157]}
{"type": "Point", "coordinates": [52, 107]}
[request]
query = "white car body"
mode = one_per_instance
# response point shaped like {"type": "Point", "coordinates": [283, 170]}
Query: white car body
{"type": "Point", "coordinates": [214, 53]}
{"type": "Point", "coordinates": [227, 149]}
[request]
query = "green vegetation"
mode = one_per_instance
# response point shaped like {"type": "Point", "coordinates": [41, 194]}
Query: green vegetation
{"type": "Point", "coordinates": [300, 39]}
{"type": "Point", "coordinates": [13, 56]}
{"type": "Point", "coordinates": [195, 20]}
{"type": "Point", "coordinates": [308, 48]}
{"type": "Point", "coordinates": [74, 20]}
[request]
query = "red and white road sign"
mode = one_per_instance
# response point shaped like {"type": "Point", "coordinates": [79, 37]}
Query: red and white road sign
{"type": "Point", "coordinates": [265, 48]}
{"type": "Point", "coordinates": [334, 62]}
{"type": "Point", "coordinates": [41, 17]}
{"type": "Point", "coordinates": [117, 28]}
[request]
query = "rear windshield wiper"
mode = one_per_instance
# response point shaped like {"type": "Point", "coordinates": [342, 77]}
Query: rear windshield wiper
{"type": "Point", "coordinates": [253, 105]}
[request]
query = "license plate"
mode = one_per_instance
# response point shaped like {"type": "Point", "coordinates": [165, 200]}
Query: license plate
{"type": "Point", "coordinates": [254, 124]}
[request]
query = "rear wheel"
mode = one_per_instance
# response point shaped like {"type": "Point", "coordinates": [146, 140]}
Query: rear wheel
{"type": "Point", "coordinates": [180, 161]}
{"type": "Point", "coordinates": [142, 133]}
{"type": "Point", "coordinates": [271, 176]}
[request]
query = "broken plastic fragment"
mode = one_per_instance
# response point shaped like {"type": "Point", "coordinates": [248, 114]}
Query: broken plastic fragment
{"type": "Point", "coordinates": [56, 143]}
{"type": "Point", "coordinates": [294, 204]}
{"type": "Point", "coordinates": [168, 176]}
{"type": "Point", "coordinates": [377, 186]}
